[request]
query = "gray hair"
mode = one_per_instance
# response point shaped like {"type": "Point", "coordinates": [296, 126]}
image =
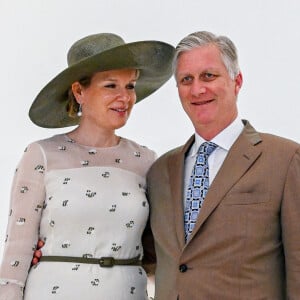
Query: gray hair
{"type": "Point", "coordinates": [203, 38]}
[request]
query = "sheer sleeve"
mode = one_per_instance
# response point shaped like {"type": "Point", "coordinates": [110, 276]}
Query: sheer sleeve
{"type": "Point", "coordinates": [27, 199]}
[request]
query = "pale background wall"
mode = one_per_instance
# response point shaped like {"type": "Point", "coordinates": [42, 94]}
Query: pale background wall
{"type": "Point", "coordinates": [36, 34]}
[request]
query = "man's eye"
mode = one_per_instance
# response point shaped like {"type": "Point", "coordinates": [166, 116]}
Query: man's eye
{"type": "Point", "coordinates": [186, 79]}
{"type": "Point", "coordinates": [209, 76]}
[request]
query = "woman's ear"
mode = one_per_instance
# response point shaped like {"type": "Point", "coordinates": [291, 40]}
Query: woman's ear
{"type": "Point", "coordinates": [77, 91]}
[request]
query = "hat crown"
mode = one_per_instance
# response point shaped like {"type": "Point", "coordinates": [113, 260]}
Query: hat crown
{"type": "Point", "coordinates": [92, 45]}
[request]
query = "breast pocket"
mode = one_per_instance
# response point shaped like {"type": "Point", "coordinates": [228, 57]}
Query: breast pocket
{"type": "Point", "coordinates": [246, 198]}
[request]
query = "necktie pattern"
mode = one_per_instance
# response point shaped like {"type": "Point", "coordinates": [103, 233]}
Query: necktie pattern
{"type": "Point", "coordinates": [198, 187]}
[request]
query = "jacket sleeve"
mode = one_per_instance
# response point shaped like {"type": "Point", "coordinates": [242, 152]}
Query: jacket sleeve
{"type": "Point", "coordinates": [290, 222]}
{"type": "Point", "coordinates": [149, 259]}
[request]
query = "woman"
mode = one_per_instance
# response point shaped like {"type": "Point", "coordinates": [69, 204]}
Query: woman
{"type": "Point", "coordinates": [83, 192]}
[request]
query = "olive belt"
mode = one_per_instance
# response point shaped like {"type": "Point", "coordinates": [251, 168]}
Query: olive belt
{"type": "Point", "coordinates": [104, 262]}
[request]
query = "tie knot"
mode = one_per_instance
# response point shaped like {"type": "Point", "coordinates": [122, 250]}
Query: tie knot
{"type": "Point", "coordinates": [207, 148]}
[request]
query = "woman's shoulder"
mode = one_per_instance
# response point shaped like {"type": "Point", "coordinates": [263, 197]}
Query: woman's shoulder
{"type": "Point", "coordinates": [137, 148]}
{"type": "Point", "coordinates": [57, 138]}
{"type": "Point", "coordinates": [45, 144]}
{"type": "Point", "coordinates": [139, 158]}
{"type": "Point", "coordinates": [54, 141]}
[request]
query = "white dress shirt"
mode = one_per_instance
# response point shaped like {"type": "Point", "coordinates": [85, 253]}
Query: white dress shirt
{"type": "Point", "coordinates": [224, 140]}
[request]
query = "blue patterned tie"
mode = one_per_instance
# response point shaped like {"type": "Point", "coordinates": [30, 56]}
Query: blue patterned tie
{"type": "Point", "coordinates": [198, 187]}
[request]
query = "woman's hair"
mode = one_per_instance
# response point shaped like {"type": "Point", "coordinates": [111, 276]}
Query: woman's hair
{"type": "Point", "coordinates": [73, 105]}
{"type": "Point", "coordinates": [203, 38]}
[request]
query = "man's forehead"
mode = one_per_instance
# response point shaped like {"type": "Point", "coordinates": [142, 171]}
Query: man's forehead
{"type": "Point", "coordinates": [199, 60]}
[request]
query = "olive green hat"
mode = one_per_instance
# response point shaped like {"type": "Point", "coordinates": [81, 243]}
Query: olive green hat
{"type": "Point", "coordinates": [101, 52]}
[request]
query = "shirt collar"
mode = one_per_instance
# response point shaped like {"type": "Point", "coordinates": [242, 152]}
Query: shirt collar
{"type": "Point", "coordinates": [224, 139]}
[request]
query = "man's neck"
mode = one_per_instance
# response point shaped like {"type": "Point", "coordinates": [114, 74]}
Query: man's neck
{"type": "Point", "coordinates": [209, 131]}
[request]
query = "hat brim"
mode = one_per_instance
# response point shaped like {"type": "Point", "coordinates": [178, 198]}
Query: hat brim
{"type": "Point", "coordinates": [152, 58]}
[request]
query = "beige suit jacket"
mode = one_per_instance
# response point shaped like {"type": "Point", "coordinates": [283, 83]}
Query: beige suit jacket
{"type": "Point", "coordinates": [246, 243]}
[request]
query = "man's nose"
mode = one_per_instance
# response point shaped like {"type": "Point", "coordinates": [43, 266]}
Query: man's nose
{"type": "Point", "coordinates": [198, 88]}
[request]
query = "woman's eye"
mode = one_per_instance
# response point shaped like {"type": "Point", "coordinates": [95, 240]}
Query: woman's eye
{"type": "Point", "coordinates": [110, 86]}
{"type": "Point", "coordinates": [131, 86]}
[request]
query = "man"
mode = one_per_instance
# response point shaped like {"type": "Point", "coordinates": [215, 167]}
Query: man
{"type": "Point", "coordinates": [240, 241]}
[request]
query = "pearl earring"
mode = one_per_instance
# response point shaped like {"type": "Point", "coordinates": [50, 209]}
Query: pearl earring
{"type": "Point", "coordinates": [79, 113]}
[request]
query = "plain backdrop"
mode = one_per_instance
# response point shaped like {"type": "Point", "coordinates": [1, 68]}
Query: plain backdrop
{"type": "Point", "coordinates": [36, 35]}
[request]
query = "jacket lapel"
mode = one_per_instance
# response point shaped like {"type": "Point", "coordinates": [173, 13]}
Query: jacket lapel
{"type": "Point", "coordinates": [239, 160]}
{"type": "Point", "coordinates": [176, 175]}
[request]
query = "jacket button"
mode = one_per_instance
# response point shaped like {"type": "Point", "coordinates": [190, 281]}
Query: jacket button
{"type": "Point", "coordinates": [183, 268]}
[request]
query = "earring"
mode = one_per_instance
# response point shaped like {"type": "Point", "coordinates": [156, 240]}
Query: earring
{"type": "Point", "coordinates": [79, 113]}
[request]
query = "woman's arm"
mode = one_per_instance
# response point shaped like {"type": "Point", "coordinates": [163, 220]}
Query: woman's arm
{"type": "Point", "coordinates": [26, 204]}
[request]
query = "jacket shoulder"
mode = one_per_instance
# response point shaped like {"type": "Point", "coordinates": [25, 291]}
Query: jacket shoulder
{"type": "Point", "coordinates": [274, 142]}
{"type": "Point", "coordinates": [169, 154]}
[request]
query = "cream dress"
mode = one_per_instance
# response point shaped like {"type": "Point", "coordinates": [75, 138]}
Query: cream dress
{"type": "Point", "coordinates": [81, 201]}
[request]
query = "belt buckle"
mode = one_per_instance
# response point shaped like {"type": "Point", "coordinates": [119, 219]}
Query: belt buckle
{"type": "Point", "coordinates": [106, 262]}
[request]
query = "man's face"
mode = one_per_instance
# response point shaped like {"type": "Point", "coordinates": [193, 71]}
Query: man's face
{"type": "Point", "coordinates": [207, 93]}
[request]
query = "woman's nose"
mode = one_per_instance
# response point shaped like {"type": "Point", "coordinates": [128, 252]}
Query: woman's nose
{"type": "Point", "coordinates": [124, 94]}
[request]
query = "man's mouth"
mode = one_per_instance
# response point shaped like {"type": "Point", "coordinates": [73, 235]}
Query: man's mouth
{"type": "Point", "coordinates": [202, 102]}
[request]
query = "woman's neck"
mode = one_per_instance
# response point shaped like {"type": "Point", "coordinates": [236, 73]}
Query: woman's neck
{"type": "Point", "coordinates": [99, 138]}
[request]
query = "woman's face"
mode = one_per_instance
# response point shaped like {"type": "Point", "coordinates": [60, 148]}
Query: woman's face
{"type": "Point", "coordinates": [108, 100]}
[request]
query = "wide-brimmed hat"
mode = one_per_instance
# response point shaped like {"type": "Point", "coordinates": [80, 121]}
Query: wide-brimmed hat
{"type": "Point", "coordinates": [101, 52]}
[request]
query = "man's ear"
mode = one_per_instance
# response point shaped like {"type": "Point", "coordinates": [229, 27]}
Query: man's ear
{"type": "Point", "coordinates": [238, 82]}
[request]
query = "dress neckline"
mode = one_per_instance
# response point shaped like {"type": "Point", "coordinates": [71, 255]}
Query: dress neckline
{"type": "Point", "coordinates": [70, 140]}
